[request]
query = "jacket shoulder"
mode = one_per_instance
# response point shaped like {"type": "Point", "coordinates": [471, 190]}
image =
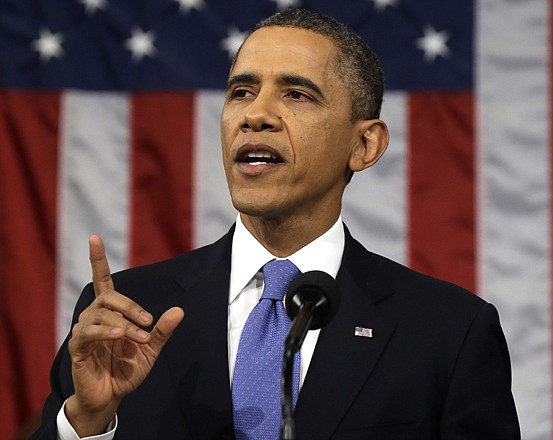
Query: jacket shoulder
{"type": "Point", "coordinates": [407, 285]}
{"type": "Point", "coordinates": [152, 285]}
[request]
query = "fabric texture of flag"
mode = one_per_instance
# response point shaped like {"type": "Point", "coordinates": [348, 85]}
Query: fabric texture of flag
{"type": "Point", "coordinates": [109, 125]}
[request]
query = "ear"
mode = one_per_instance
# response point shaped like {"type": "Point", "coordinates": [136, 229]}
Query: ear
{"type": "Point", "coordinates": [371, 143]}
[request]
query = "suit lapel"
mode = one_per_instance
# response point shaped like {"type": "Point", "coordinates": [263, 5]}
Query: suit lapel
{"type": "Point", "coordinates": [342, 362]}
{"type": "Point", "coordinates": [197, 351]}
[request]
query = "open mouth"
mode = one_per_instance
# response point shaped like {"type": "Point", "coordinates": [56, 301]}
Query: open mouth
{"type": "Point", "coordinates": [260, 158]}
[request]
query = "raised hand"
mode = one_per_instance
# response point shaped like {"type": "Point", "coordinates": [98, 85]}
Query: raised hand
{"type": "Point", "coordinates": [110, 351]}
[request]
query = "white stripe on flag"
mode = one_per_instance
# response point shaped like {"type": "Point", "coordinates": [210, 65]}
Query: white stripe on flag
{"type": "Point", "coordinates": [514, 248]}
{"type": "Point", "coordinates": [375, 201]}
{"type": "Point", "coordinates": [213, 210]}
{"type": "Point", "coordinates": [94, 190]}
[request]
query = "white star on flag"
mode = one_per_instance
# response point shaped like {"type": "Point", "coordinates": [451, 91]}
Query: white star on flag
{"type": "Point", "coordinates": [187, 5]}
{"type": "Point", "coordinates": [433, 44]}
{"type": "Point", "coordinates": [234, 40]}
{"type": "Point", "coordinates": [91, 6]}
{"type": "Point", "coordinates": [48, 44]}
{"type": "Point", "coordinates": [285, 4]}
{"type": "Point", "coordinates": [381, 5]}
{"type": "Point", "coordinates": [141, 44]}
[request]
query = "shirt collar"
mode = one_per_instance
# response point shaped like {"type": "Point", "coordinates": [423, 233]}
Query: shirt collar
{"type": "Point", "coordinates": [248, 255]}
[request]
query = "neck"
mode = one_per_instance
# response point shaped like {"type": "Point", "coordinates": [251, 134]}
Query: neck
{"type": "Point", "coordinates": [283, 237]}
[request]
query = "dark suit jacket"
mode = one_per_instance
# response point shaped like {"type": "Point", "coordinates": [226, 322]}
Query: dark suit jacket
{"type": "Point", "coordinates": [437, 366]}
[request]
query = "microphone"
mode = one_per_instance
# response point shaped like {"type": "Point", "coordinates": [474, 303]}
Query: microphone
{"type": "Point", "coordinates": [312, 300]}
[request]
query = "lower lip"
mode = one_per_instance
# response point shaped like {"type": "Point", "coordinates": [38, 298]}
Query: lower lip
{"type": "Point", "coordinates": [257, 169]}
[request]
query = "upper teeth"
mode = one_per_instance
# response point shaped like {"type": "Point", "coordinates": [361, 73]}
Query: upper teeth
{"type": "Point", "coordinates": [263, 154]}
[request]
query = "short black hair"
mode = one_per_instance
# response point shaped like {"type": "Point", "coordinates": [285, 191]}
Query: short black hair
{"type": "Point", "coordinates": [356, 63]}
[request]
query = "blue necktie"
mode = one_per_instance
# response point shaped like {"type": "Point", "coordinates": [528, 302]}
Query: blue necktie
{"type": "Point", "coordinates": [256, 385]}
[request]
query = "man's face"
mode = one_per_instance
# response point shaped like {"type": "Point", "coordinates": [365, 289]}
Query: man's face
{"type": "Point", "coordinates": [286, 127]}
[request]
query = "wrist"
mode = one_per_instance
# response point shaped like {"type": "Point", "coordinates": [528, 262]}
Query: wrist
{"type": "Point", "coordinates": [87, 421]}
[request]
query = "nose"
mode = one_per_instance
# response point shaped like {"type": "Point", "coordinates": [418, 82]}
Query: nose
{"type": "Point", "coordinates": [262, 114]}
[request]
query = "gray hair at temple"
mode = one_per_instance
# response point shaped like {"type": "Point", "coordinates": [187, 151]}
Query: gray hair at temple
{"type": "Point", "coordinates": [356, 63]}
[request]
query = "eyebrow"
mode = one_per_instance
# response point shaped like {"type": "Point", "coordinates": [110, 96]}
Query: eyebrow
{"type": "Point", "coordinates": [289, 79]}
{"type": "Point", "coordinates": [242, 78]}
{"type": "Point", "coordinates": [296, 80]}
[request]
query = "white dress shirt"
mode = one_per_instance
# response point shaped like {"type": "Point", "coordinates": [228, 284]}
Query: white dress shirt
{"type": "Point", "coordinates": [246, 286]}
{"type": "Point", "coordinates": [246, 280]}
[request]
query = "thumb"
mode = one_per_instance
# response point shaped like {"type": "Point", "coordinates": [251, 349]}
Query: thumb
{"type": "Point", "coordinates": [164, 328]}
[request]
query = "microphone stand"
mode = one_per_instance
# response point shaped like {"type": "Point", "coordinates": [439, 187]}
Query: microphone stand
{"type": "Point", "coordinates": [311, 292]}
{"type": "Point", "coordinates": [300, 326]}
{"type": "Point", "coordinates": [288, 427]}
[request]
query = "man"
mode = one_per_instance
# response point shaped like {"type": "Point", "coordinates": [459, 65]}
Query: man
{"type": "Point", "coordinates": [300, 117]}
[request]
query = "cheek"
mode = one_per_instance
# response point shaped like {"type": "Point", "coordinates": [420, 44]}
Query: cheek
{"type": "Point", "coordinates": [331, 153]}
{"type": "Point", "coordinates": [228, 119]}
{"type": "Point", "coordinates": [311, 137]}
{"type": "Point", "coordinates": [324, 144]}
{"type": "Point", "coordinates": [224, 126]}
{"type": "Point", "coordinates": [226, 135]}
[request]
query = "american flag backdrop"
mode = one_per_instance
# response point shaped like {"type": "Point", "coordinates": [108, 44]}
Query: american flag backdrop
{"type": "Point", "coordinates": [109, 124]}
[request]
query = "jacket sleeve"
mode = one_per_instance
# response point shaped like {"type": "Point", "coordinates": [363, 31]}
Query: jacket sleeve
{"type": "Point", "coordinates": [479, 403]}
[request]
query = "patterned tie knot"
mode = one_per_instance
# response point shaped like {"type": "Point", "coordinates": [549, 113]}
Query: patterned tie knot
{"type": "Point", "coordinates": [278, 274]}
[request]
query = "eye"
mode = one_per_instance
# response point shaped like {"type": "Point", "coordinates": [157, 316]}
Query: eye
{"type": "Point", "coordinates": [298, 96]}
{"type": "Point", "coordinates": [240, 93]}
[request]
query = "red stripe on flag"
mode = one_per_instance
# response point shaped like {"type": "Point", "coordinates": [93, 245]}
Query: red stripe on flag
{"type": "Point", "coordinates": [28, 164]}
{"type": "Point", "coordinates": [161, 189]}
{"type": "Point", "coordinates": [442, 186]}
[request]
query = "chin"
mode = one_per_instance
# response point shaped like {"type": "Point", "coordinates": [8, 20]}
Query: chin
{"type": "Point", "coordinates": [261, 207]}
{"type": "Point", "coordinates": [253, 209]}
{"type": "Point", "coordinates": [252, 201]}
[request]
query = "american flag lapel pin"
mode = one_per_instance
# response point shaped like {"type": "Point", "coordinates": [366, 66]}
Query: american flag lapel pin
{"type": "Point", "coordinates": [364, 332]}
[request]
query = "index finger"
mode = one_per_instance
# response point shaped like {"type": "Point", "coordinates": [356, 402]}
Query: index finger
{"type": "Point", "coordinates": [101, 275]}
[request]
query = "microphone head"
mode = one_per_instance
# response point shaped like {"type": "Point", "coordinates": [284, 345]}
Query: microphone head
{"type": "Point", "coordinates": [319, 288]}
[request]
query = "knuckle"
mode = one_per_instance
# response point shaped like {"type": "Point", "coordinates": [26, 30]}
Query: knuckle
{"type": "Point", "coordinates": [78, 332]}
{"type": "Point", "coordinates": [107, 300]}
{"type": "Point", "coordinates": [75, 329]}
{"type": "Point", "coordinates": [102, 278]}
{"type": "Point", "coordinates": [86, 314]}
{"type": "Point", "coordinates": [97, 315]}
{"type": "Point", "coordinates": [83, 315]}
{"type": "Point", "coordinates": [83, 331]}
{"type": "Point", "coordinates": [105, 296]}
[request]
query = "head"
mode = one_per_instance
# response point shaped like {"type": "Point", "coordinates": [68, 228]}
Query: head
{"type": "Point", "coordinates": [355, 63]}
{"type": "Point", "coordinates": [292, 130]}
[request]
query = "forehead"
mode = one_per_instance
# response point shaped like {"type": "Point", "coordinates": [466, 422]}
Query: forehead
{"type": "Point", "coordinates": [291, 50]}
